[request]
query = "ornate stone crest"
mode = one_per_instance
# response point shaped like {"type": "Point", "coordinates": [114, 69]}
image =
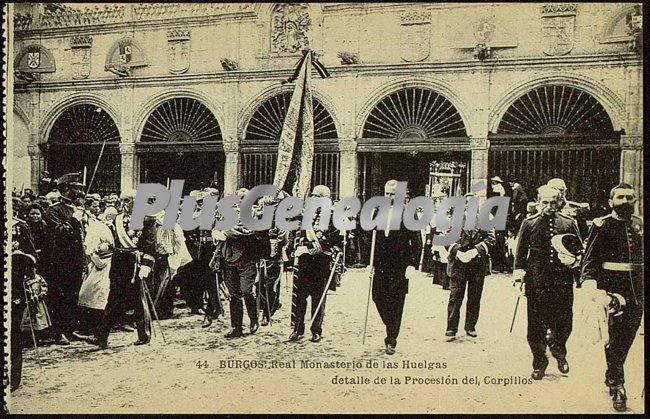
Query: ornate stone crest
{"type": "Point", "coordinates": [81, 53]}
{"type": "Point", "coordinates": [415, 35]}
{"type": "Point", "coordinates": [33, 60]}
{"type": "Point", "coordinates": [484, 31]}
{"type": "Point", "coordinates": [124, 55]}
{"type": "Point", "coordinates": [290, 25]}
{"type": "Point", "coordinates": [178, 50]}
{"type": "Point", "coordinates": [558, 28]}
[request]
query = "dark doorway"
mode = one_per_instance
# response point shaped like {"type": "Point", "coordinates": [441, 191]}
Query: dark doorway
{"type": "Point", "coordinates": [196, 168]}
{"type": "Point", "coordinates": [375, 169]}
{"type": "Point", "coordinates": [65, 158]}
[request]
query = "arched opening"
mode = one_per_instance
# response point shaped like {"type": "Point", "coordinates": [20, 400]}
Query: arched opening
{"type": "Point", "coordinates": [557, 131]}
{"type": "Point", "coordinates": [404, 133]}
{"type": "Point", "coordinates": [75, 142]}
{"type": "Point", "coordinates": [181, 139]}
{"type": "Point", "coordinates": [260, 144]}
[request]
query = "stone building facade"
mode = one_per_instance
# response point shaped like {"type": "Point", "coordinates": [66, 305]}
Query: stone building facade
{"type": "Point", "coordinates": [527, 91]}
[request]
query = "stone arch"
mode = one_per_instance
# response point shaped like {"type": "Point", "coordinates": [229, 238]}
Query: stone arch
{"type": "Point", "coordinates": [248, 111]}
{"type": "Point", "coordinates": [409, 82]}
{"type": "Point", "coordinates": [157, 99]}
{"type": "Point", "coordinates": [609, 29]}
{"type": "Point", "coordinates": [56, 110]}
{"type": "Point", "coordinates": [613, 104]}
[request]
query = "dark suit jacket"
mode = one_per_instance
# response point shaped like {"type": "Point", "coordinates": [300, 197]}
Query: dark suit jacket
{"type": "Point", "coordinates": [483, 242]}
{"type": "Point", "coordinates": [392, 255]}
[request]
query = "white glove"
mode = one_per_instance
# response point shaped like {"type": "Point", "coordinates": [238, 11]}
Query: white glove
{"type": "Point", "coordinates": [410, 272]}
{"type": "Point", "coordinates": [144, 271]}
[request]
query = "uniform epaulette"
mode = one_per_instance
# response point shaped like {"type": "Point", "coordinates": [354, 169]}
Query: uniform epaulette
{"type": "Point", "coordinates": [598, 222]}
{"type": "Point", "coordinates": [530, 217]}
{"type": "Point", "coordinates": [561, 214]}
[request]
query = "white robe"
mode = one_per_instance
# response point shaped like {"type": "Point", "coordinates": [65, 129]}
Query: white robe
{"type": "Point", "coordinates": [96, 285]}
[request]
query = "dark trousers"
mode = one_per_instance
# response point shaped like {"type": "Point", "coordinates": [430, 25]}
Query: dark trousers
{"type": "Point", "coordinates": [88, 319]}
{"type": "Point", "coordinates": [165, 303]}
{"type": "Point", "coordinates": [192, 283]}
{"type": "Point", "coordinates": [213, 307]}
{"type": "Point", "coordinates": [390, 306]}
{"type": "Point", "coordinates": [270, 291]}
{"type": "Point", "coordinates": [122, 295]}
{"type": "Point", "coordinates": [309, 282]}
{"type": "Point", "coordinates": [240, 280]}
{"type": "Point", "coordinates": [440, 276]}
{"type": "Point", "coordinates": [16, 347]}
{"type": "Point", "coordinates": [457, 286]}
{"type": "Point", "coordinates": [500, 262]}
{"type": "Point", "coordinates": [622, 331]}
{"type": "Point", "coordinates": [62, 298]}
{"type": "Point", "coordinates": [549, 309]}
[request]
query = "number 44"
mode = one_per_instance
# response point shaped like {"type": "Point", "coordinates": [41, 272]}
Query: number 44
{"type": "Point", "coordinates": [201, 364]}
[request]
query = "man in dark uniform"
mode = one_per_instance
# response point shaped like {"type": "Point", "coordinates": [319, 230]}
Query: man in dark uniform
{"type": "Point", "coordinates": [68, 257]}
{"type": "Point", "coordinates": [613, 262]}
{"type": "Point", "coordinates": [548, 281]}
{"type": "Point", "coordinates": [23, 262]}
{"type": "Point", "coordinates": [575, 210]}
{"type": "Point", "coordinates": [240, 253]}
{"type": "Point", "coordinates": [271, 271]}
{"type": "Point", "coordinates": [131, 263]}
{"type": "Point", "coordinates": [468, 263]}
{"type": "Point", "coordinates": [395, 251]}
{"type": "Point", "coordinates": [314, 254]}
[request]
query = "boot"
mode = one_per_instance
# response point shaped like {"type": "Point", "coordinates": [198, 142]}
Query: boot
{"type": "Point", "coordinates": [236, 313]}
{"type": "Point", "coordinates": [251, 309]}
{"type": "Point", "coordinates": [619, 398]}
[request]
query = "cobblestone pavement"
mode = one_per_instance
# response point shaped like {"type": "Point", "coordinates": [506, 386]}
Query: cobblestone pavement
{"type": "Point", "coordinates": [191, 371]}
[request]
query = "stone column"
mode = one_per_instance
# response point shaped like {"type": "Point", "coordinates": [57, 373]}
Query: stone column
{"type": "Point", "coordinates": [36, 166]}
{"type": "Point", "coordinates": [479, 167]}
{"type": "Point", "coordinates": [231, 167]}
{"type": "Point", "coordinates": [128, 170]}
{"type": "Point", "coordinates": [632, 165]}
{"type": "Point", "coordinates": [348, 182]}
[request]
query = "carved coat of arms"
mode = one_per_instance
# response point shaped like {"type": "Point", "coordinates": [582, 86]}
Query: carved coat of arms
{"type": "Point", "coordinates": [81, 54]}
{"type": "Point", "coordinates": [290, 26]}
{"type": "Point", "coordinates": [415, 35]}
{"type": "Point", "coordinates": [178, 51]}
{"type": "Point", "coordinates": [125, 53]}
{"type": "Point", "coordinates": [558, 28]}
{"type": "Point", "coordinates": [33, 59]}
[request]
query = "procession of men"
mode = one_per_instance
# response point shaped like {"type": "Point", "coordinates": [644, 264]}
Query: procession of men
{"type": "Point", "coordinates": [110, 271]}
